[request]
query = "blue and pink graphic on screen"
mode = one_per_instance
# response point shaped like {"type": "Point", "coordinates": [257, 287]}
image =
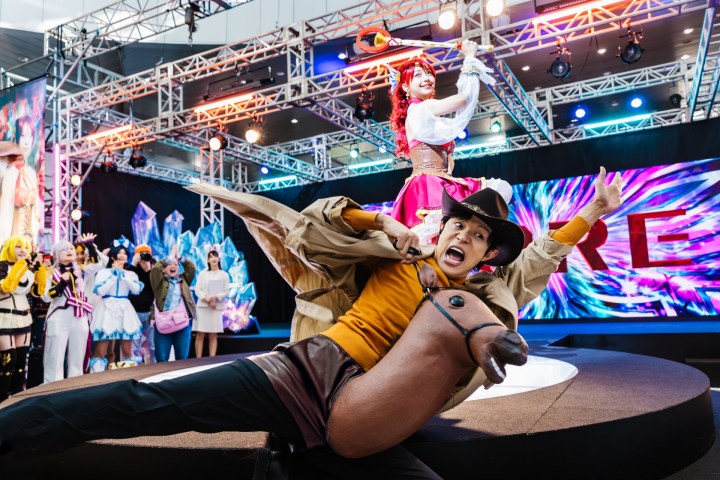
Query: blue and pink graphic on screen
{"type": "Point", "coordinates": [656, 256]}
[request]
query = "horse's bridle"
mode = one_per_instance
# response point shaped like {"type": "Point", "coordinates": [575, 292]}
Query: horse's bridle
{"type": "Point", "coordinates": [455, 301]}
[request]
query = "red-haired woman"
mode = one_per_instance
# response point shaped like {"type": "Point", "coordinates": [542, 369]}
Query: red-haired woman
{"type": "Point", "coordinates": [427, 137]}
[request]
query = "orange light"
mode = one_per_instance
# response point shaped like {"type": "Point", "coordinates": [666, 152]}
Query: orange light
{"type": "Point", "coordinates": [385, 59]}
{"type": "Point", "coordinates": [572, 11]}
{"type": "Point", "coordinates": [221, 103]}
{"type": "Point", "coordinates": [107, 133]}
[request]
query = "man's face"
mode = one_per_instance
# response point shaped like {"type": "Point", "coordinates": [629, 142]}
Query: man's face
{"type": "Point", "coordinates": [462, 245]}
{"type": "Point", "coordinates": [172, 269]}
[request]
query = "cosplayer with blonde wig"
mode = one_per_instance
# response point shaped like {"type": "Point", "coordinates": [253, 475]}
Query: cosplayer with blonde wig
{"type": "Point", "coordinates": [426, 136]}
{"type": "Point", "coordinates": [16, 281]}
{"type": "Point", "coordinates": [67, 324]}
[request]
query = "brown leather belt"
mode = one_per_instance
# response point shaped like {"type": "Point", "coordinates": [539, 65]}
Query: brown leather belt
{"type": "Point", "coordinates": [15, 312]}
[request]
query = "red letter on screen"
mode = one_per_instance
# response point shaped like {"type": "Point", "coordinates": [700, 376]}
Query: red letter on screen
{"type": "Point", "coordinates": [595, 238]}
{"type": "Point", "coordinates": [639, 241]}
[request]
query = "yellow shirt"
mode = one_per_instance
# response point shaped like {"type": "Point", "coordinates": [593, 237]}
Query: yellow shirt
{"type": "Point", "coordinates": [387, 303]}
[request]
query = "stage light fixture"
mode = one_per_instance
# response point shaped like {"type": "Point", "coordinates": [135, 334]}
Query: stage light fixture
{"type": "Point", "coordinates": [675, 100]}
{"type": "Point", "coordinates": [382, 148]}
{"type": "Point", "coordinates": [109, 165]}
{"type": "Point", "coordinates": [494, 7]}
{"type": "Point", "coordinates": [217, 142]}
{"type": "Point", "coordinates": [462, 135]}
{"type": "Point", "coordinates": [75, 180]}
{"type": "Point", "coordinates": [448, 15]}
{"type": "Point", "coordinates": [364, 109]}
{"type": "Point", "coordinates": [76, 215]}
{"type": "Point", "coordinates": [253, 134]}
{"type": "Point", "coordinates": [354, 152]}
{"type": "Point", "coordinates": [636, 102]}
{"type": "Point", "coordinates": [137, 159]}
{"type": "Point", "coordinates": [579, 112]}
{"type": "Point", "coordinates": [561, 67]}
{"type": "Point", "coordinates": [264, 170]}
{"type": "Point", "coordinates": [495, 126]}
{"type": "Point", "coordinates": [632, 52]}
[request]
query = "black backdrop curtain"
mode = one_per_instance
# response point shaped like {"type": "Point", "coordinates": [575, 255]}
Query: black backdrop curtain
{"type": "Point", "coordinates": [112, 199]}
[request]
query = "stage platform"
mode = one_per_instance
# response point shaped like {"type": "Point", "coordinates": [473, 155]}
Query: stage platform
{"type": "Point", "coordinates": [621, 416]}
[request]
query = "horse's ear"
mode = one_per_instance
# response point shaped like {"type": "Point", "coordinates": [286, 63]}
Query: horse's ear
{"type": "Point", "coordinates": [428, 276]}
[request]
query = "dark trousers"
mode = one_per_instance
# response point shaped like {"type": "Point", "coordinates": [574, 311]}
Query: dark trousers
{"type": "Point", "coordinates": [233, 397]}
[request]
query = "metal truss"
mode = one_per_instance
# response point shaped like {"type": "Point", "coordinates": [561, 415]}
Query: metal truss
{"type": "Point", "coordinates": [517, 102]}
{"type": "Point", "coordinates": [341, 114]}
{"type": "Point", "coordinates": [123, 23]}
{"type": "Point", "coordinates": [211, 171]}
{"type": "Point", "coordinates": [537, 33]}
{"type": "Point", "coordinates": [186, 128]}
{"type": "Point", "coordinates": [706, 75]}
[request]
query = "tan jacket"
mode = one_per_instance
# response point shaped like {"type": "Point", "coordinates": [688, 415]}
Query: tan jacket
{"type": "Point", "coordinates": [327, 262]}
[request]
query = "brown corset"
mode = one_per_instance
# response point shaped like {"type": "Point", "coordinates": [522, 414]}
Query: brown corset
{"type": "Point", "coordinates": [429, 159]}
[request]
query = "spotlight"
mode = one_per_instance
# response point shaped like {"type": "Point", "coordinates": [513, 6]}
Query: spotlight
{"type": "Point", "coordinates": [636, 102]}
{"type": "Point", "coordinates": [264, 170]}
{"type": "Point", "coordinates": [364, 109]}
{"type": "Point", "coordinates": [354, 152]}
{"type": "Point", "coordinates": [217, 142]}
{"type": "Point", "coordinates": [579, 112]}
{"type": "Point", "coordinates": [561, 67]}
{"type": "Point", "coordinates": [463, 135]}
{"type": "Point", "coordinates": [109, 165]}
{"type": "Point", "coordinates": [253, 134]}
{"type": "Point", "coordinates": [75, 180]}
{"type": "Point", "coordinates": [448, 15]}
{"type": "Point", "coordinates": [76, 215]}
{"type": "Point", "coordinates": [137, 159]}
{"type": "Point", "coordinates": [675, 100]}
{"type": "Point", "coordinates": [631, 52]}
{"type": "Point", "coordinates": [382, 148]}
{"type": "Point", "coordinates": [494, 7]}
{"type": "Point", "coordinates": [495, 126]}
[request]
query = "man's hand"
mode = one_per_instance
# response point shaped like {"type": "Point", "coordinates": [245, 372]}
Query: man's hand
{"type": "Point", "coordinates": [402, 238]}
{"type": "Point", "coordinates": [608, 198]}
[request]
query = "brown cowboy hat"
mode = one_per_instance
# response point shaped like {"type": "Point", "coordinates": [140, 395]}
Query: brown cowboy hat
{"type": "Point", "coordinates": [489, 206]}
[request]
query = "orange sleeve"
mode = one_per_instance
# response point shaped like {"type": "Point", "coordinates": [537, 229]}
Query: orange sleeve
{"type": "Point", "coordinates": [359, 219]}
{"type": "Point", "coordinates": [572, 232]}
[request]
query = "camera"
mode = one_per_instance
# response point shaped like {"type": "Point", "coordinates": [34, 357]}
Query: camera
{"type": "Point", "coordinates": [145, 257]}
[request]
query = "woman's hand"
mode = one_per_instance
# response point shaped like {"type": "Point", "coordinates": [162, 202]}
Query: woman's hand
{"type": "Point", "coordinates": [402, 238]}
{"type": "Point", "coordinates": [469, 48]}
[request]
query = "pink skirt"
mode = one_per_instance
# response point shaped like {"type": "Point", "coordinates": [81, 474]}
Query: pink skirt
{"type": "Point", "coordinates": [421, 197]}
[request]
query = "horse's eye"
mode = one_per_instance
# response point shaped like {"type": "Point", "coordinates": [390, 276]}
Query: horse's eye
{"type": "Point", "coordinates": [457, 301]}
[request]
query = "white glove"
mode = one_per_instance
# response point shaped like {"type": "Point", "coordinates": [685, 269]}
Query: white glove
{"type": "Point", "coordinates": [500, 186]}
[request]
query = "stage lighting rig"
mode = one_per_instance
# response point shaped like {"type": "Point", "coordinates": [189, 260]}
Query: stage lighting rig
{"type": "Point", "coordinates": [108, 164]}
{"type": "Point", "coordinates": [364, 109]}
{"type": "Point", "coordinates": [561, 67]}
{"type": "Point", "coordinates": [253, 134]}
{"type": "Point", "coordinates": [219, 140]}
{"type": "Point", "coordinates": [632, 52]}
{"type": "Point", "coordinates": [448, 15]}
{"type": "Point", "coordinates": [675, 100]}
{"type": "Point", "coordinates": [137, 159]}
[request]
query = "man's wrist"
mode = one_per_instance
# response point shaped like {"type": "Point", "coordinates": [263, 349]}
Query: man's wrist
{"type": "Point", "coordinates": [592, 212]}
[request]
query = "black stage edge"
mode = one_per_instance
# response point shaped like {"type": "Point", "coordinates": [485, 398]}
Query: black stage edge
{"type": "Point", "coordinates": [622, 416]}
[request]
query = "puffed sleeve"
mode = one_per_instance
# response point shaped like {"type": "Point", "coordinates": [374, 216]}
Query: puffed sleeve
{"type": "Point", "coordinates": [435, 130]}
{"type": "Point", "coordinates": [105, 282]}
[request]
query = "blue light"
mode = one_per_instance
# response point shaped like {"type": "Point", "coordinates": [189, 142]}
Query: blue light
{"type": "Point", "coordinates": [462, 135]}
{"type": "Point", "coordinates": [264, 170]}
{"type": "Point", "coordinates": [636, 102]}
{"type": "Point", "coordinates": [580, 112]}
